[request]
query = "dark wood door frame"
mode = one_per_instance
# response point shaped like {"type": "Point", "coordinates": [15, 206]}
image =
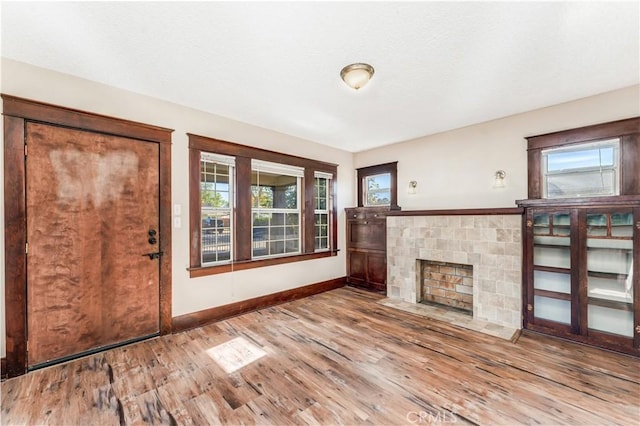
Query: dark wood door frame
{"type": "Point", "coordinates": [17, 112]}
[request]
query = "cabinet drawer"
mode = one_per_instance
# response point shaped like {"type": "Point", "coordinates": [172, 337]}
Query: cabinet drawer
{"type": "Point", "coordinates": [374, 215]}
{"type": "Point", "coordinates": [353, 214]}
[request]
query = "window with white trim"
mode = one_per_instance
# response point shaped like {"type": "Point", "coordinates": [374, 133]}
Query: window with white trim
{"type": "Point", "coordinates": [216, 205]}
{"type": "Point", "coordinates": [275, 208]}
{"type": "Point", "coordinates": [321, 187]}
{"type": "Point", "coordinates": [253, 207]}
{"type": "Point", "coordinates": [582, 170]}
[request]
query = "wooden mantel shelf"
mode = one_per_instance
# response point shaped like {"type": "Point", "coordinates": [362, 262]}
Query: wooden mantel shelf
{"type": "Point", "coordinates": [459, 212]}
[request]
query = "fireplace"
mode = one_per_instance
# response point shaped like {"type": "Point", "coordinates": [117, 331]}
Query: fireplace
{"type": "Point", "coordinates": [490, 243]}
{"type": "Point", "coordinates": [447, 284]}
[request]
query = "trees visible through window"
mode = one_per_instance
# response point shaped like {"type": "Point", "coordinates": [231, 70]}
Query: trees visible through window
{"type": "Point", "coordinates": [377, 190]}
{"type": "Point", "coordinates": [251, 207]}
{"type": "Point", "coordinates": [378, 186]}
{"type": "Point", "coordinates": [275, 209]}
{"type": "Point", "coordinates": [322, 210]}
{"type": "Point", "coordinates": [216, 201]}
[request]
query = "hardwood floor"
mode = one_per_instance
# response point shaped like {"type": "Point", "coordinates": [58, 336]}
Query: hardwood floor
{"type": "Point", "coordinates": [334, 358]}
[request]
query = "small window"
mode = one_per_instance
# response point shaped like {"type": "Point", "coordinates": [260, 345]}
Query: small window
{"type": "Point", "coordinates": [216, 203]}
{"type": "Point", "coordinates": [377, 190]}
{"type": "Point", "coordinates": [322, 211]}
{"type": "Point", "coordinates": [377, 186]}
{"type": "Point", "coordinates": [275, 209]}
{"type": "Point", "coordinates": [583, 170]}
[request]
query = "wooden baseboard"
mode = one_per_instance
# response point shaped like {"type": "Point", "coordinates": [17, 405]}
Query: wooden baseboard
{"type": "Point", "coordinates": [207, 316]}
{"type": "Point", "coordinates": [3, 368]}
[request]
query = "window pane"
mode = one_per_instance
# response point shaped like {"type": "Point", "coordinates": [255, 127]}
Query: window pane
{"type": "Point", "coordinates": [580, 159]}
{"type": "Point", "coordinates": [271, 190]}
{"type": "Point", "coordinates": [582, 184]}
{"type": "Point", "coordinates": [216, 236]}
{"type": "Point", "coordinates": [215, 204]}
{"type": "Point", "coordinates": [377, 190]}
{"type": "Point", "coordinates": [584, 170]}
{"type": "Point", "coordinates": [275, 234]}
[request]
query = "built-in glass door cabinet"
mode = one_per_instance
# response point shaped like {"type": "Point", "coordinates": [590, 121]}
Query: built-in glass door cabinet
{"type": "Point", "coordinates": [582, 274]}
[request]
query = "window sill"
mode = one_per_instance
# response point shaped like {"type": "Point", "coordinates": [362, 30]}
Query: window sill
{"type": "Point", "coordinates": [201, 271]}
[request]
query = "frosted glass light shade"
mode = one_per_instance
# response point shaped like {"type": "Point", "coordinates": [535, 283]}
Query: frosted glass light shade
{"type": "Point", "coordinates": [357, 75]}
{"type": "Point", "coordinates": [498, 181]}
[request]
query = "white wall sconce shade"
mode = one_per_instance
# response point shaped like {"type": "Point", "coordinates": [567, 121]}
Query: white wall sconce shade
{"type": "Point", "coordinates": [499, 177]}
{"type": "Point", "coordinates": [357, 75]}
{"type": "Point", "coordinates": [413, 187]}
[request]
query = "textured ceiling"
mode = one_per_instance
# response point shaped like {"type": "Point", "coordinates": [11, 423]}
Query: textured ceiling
{"type": "Point", "coordinates": [439, 65]}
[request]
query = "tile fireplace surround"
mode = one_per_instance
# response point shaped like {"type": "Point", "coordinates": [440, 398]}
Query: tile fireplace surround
{"type": "Point", "coordinates": [490, 240]}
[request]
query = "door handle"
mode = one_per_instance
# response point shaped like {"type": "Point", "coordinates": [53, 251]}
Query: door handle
{"type": "Point", "coordinates": [154, 255]}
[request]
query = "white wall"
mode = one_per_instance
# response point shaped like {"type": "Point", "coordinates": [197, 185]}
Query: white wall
{"type": "Point", "coordinates": [455, 169]}
{"type": "Point", "coordinates": [189, 295]}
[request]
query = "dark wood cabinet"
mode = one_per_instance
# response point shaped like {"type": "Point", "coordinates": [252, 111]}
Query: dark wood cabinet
{"type": "Point", "coordinates": [582, 272]}
{"type": "Point", "coordinates": [367, 248]}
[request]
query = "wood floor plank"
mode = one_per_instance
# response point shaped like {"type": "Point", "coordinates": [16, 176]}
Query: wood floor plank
{"type": "Point", "coordinates": [334, 358]}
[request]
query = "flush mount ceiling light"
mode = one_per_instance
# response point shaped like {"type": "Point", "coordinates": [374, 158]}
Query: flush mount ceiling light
{"type": "Point", "coordinates": [357, 75]}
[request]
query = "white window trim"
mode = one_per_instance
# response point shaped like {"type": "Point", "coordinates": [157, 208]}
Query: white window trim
{"type": "Point", "coordinates": [281, 169]}
{"type": "Point", "coordinates": [610, 142]}
{"type": "Point", "coordinates": [229, 161]}
{"type": "Point", "coordinates": [327, 210]}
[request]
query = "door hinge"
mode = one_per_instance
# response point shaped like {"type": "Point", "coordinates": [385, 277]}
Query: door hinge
{"type": "Point", "coordinates": [529, 307]}
{"type": "Point", "coordinates": [638, 329]}
{"type": "Point", "coordinates": [637, 225]}
{"type": "Point", "coordinates": [25, 150]}
{"type": "Point", "coordinates": [27, 346]}
{"type": "Point", "coordinates": [529, 223]}
{"type": "Point", "coordinates": [26, 248]}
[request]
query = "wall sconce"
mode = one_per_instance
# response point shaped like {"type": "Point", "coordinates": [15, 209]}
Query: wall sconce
{"type": "Point", "coordinates": [498, 180]}
{"type": "Point", "coordinates": [413, 187]}
{"type": "Point", "coordinates": [357, 75]}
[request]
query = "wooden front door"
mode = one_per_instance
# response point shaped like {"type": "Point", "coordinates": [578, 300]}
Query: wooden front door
{"type": "Point", "coordinates": [92, 204]}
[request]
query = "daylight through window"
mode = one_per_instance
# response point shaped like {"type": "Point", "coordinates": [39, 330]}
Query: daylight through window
{"type": "Point", "coordinates": [377, 190]}
{"type": "Point", "coordinates": [583, 170]}
{"type": "Point", "coordinates": [322, 209]}
{"type": "Point", "coordinates": [216, 200]}
{"type": "Point", "coordinates": [275, 208]}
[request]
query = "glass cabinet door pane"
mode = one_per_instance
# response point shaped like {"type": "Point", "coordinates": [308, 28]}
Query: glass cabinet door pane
{"type": "Point", "coordinates": [552, 309]}
{"type": "Point", "coordinates": [551, 240]}
{"type": "Point", "coordinates": [561, 224]}
{"type": "Point", "coordinates": [545, 254]}
{"type": "Point", "coordinates": [622, 225]}
{"type": "Point", "coordinates": [552, 281]}
{"type": "Point", "coordinates": [541, 224]}
{"type": "Point", "coordinates": [617, 289]}
{"type": "Point", "coordinates": [610, 320]}
{"type": "Point", "coordinates": [610, 273]}
{"type": "Point", "coordinates": [597, 225]}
